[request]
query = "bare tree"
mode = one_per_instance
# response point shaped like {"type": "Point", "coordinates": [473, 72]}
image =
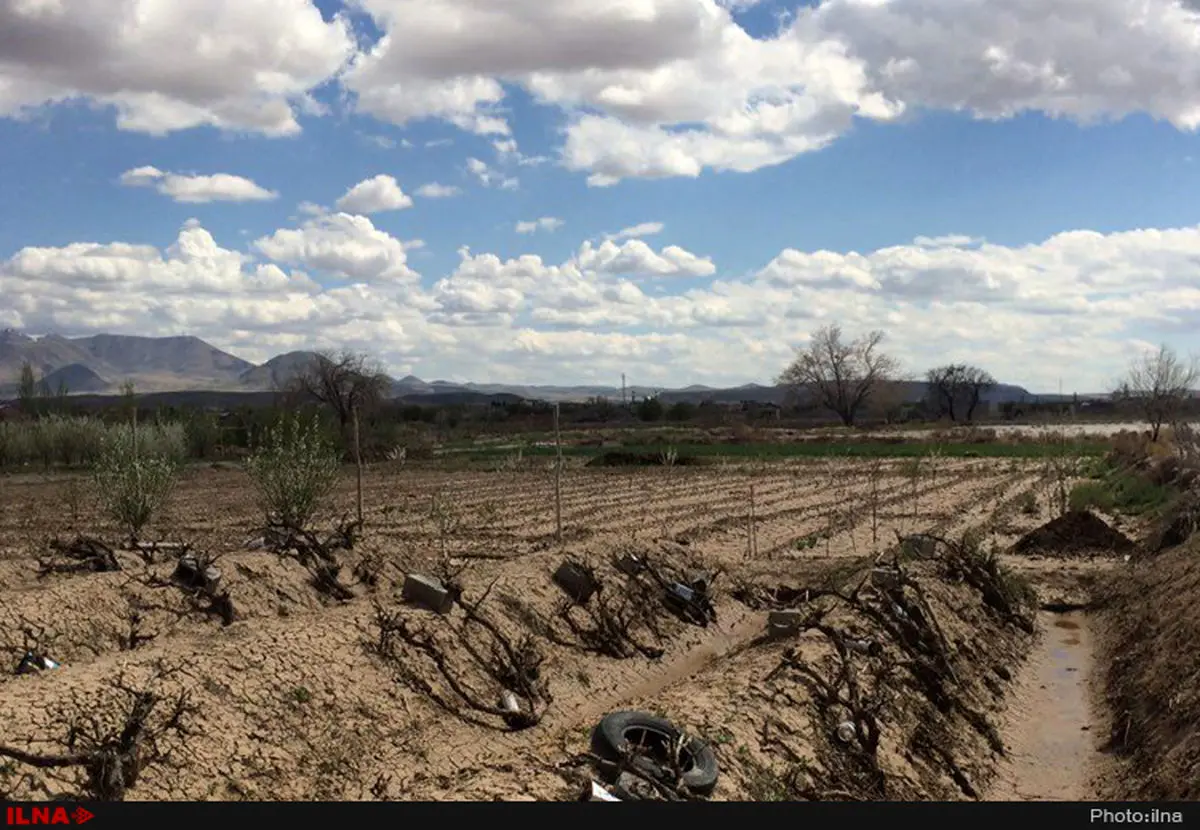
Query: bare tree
{"type": "Point", "coordinates": [1159, 383]}
{"type": "Point", "coordinates": [346, 382]}
{"type": "Point", "coordinates": [957, 389]}
{"type": "Point", "coordinates": [841, 376]}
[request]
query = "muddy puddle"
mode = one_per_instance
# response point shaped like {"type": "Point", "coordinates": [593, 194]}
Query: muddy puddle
{"type": "Point", "coordinates": [1049, 729]}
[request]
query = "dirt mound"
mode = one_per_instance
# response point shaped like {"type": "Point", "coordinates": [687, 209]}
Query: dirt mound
{"type": "Point", "coordinates": [624, 458]}
{"type": "Point", "coordinates": [1072, 534]}
{"type": "Point", "coordinates": [1151, 624]}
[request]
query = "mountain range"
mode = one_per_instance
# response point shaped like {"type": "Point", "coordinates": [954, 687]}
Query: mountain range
{"type": "Point", "coordinates": [102, 363]}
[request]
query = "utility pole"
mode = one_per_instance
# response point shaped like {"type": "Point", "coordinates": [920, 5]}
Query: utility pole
{"type": "Point", "coordinates": [622, 389]}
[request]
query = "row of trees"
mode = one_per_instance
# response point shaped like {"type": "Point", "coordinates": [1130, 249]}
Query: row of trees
{"type": "Point", "coordinates": [845, 375]}
{"type": "Point", "coordinates": [842, 375]}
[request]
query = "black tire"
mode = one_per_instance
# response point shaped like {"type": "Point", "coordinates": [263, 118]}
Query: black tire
{"type": "Point", "coordinates": [617, 729]}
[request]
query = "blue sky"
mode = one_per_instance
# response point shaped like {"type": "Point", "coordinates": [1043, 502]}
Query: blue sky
{"type": "Point", "coordinates": [987, 182]}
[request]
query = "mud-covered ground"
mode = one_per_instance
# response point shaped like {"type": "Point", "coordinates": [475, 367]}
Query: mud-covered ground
{"type": "Point", "coordinates": [294, 699]}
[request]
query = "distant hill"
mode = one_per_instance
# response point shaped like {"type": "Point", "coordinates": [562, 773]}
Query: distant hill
{"type": "Point", "coordinates": [100, 364]}
{"type": "Point", "coordinates": [410, 385]}
{"type": "Point", "coordinates": [45, 354]}
{"type": "Point", "coordinates": [175, 357]}
{"type": "Point", "coordinates": [276, 372]}
{"type": "Point", "coordinates": [76, 379]}
{"type": "Point", "coordinates": [103, 362]}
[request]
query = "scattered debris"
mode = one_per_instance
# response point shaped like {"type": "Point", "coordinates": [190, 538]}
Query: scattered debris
{"type": "Point", "coordinates": [631, 787]}
{"type": "Point", "coordinates": [629, 564]}
{"type": "Point", "coordinates": [198, 578]}
{"type": "Point", "coordinates": [428, 591]}
{"type": "Point", "coordinates": [593, 791]}
{"type": "Point", "coordinates": [846, 731]}
{"type": "Point", "coordinates": [192, 573]}
{"type": "Point", "coordinates": [1074, 533]}
{"type": "Point", "coordinates": [32, 663]}
{"type": "Point", "coordinates": [676, 765]}
{"type": "Point", "coordinates": [509, 702]}
{"type": "Point", "coordinates": [33, 655]}
{"type": "Point", "coordinates": [692, 600]}
{"type": "Point", "coordinates": [576, 580]}
{"type": "Point", "coordinates": [785, 623]}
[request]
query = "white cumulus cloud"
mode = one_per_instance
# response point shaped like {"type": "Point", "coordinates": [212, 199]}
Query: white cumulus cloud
{"type": "Point", "coordinates": [196, 189]}
{"type": "Point", "coordinates": [1078, 304]}
{"type": "Point", "coordinates": [662, 88]}
{"type": "Point", "coordinates": [374, 195]}
{"type": "Point", "coordinates": [341, 245]}
{"type": "Point", "coordinates": [232, 64]}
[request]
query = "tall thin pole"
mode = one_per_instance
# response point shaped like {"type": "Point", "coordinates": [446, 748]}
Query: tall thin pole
{"type": "Point", "coordinates": [558, 465]}
{"type": "Point", "coordinates": [358, 468]}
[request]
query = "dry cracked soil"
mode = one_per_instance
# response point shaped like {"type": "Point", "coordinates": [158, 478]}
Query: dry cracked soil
{"type": "Point", "coordinates": [296, 699]}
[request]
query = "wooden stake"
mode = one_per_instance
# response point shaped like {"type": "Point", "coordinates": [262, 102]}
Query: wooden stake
{"type": "Point", "coordinates": [751, 541]}
{"type": "Point", "coordinates": [558, 465]}
{"type": "Point", "coordinates": [358, 468]}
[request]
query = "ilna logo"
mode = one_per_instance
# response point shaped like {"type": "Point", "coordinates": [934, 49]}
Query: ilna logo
{"type": "Point", "coordinates": [46, 815]}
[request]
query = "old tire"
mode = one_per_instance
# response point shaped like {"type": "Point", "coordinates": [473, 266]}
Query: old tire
{"type": "Point", "coordinates": [618, 730]}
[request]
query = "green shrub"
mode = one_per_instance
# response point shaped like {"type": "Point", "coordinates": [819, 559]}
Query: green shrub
{"type": "Point", "coordinates": [133, 480]}
{"type": "Point", "coordinates": [1123, 491]}
{"type": "Point", "coordinates": [165, 439]}
{"type": "Point", "coordinates": [1091, 494]}
{"type": "Point", "coordinates": [294, 469]}
{"type": "Point", "coordinates": [16, 445]}
{"type": "Point", "coordinates": [79, 441]}
{"type": "Point", "coordinates": [202, 435]}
